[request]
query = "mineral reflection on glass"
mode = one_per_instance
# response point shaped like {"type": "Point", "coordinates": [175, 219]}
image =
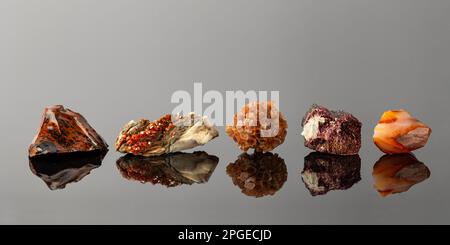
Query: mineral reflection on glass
{"type": "Point", "coordinates": [333, 132]}
{"type": "Point", "coordinates": [259, 174]}
{"type": "Point", "coordinates": [325, 172]}
{"type": "Point", "coordinates": [399, 132]}
{"type": "Point", "coordinates": [65, 131]}
{"type": "Point", "coordinates": [58, 170]}
{"type": "Point", "coordinates": [259, 125]}
{"type": "Point", "coordinates": [169, 170]}
{"type": "Point", "coordinates": [168, 134]}
{"type": "Point", "coordinates": [398, 173]}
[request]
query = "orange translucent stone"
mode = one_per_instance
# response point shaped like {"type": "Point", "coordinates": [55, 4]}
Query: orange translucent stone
{"type": "Point", "coordinates": [399, 132]}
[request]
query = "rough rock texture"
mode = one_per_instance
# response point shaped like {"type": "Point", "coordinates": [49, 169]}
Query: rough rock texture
{"type": "Point", "coordinates": [399, 132]}
{"type": "Point", "coordinates": [398, 173]}
{"type": "Point", "coordinates": [65, 131]}
{"type": "Point", "coordinates": [325, 172]}
{"type": "Point", "coordinates": [169, 170]}
{"type": "Point", "coordinates": [58, 170]}
{"type": "Point", "coordinates": [259, 174]}
{"type": "Point", "coordinates": [260, 126]}
{"type": "Point", "coordinates": [333, 132]}
{"type": "Point", "coordinates": [165, 135]}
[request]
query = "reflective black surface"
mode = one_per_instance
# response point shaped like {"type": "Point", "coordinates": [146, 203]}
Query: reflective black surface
{"type": "Point", "coordinates": [258, 174]}
{"type": "Point", "coordinates": [58, 170]}
{"type": "Point", "coordinates": [169, 170]}
{"type": "Point", "coordinates": [324, 172]}
{"type": "Point", "coordinates": [395, 174]}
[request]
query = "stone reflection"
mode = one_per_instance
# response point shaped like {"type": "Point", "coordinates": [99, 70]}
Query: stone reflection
{"type": "Point", "coordinates": [394, 174]}
{"type": "Point", "coordinates": [169, 170]}
{"type": "Point", "coordinates": [324, 172]}
{"type": "Point", "coordinates": [58, 170]}
{"type": "Point", "coordinates": [258, 174]}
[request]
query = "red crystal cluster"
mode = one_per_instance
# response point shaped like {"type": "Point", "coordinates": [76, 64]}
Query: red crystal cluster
{"type": "Point", "coordinates": [152, 132]}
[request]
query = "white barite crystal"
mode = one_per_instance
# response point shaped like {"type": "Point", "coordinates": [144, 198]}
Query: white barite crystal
{"type": "Point", "coordinates": [201, 132]}
{"type": "Point", "coordinates": [196, 167]}
{"type": "Point", "coordinates": [311, 128]}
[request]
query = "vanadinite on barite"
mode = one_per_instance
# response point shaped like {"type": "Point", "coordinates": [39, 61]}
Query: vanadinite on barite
{"type": "Point", "coordinates": [333, 132]}
{"type": "Point", "coordinates": [166, 135]}
{"type": "Point", "coordinates": [170, 169]}
{"type": "Point", "coordinates": [65, 131]}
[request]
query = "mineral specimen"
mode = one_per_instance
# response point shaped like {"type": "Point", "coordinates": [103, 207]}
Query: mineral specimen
{"type": "Point", "coordinates": [399, 132]}
{"type": "Point", "coordinates": [398, 173]}
{"type": "Point", "coordinates": [169, 170]}
{"type": "Point", "coordinates": [166, 135]}
{"type": "Point", "coordinates": [260, 126]}
{"type": "Point", "coordinates": [58, 170]}
{"type": "Point", "coordinates": [259, 174]}
{"type": "Point", "coordinates": [65, 131]}
{"type": "Point", "coordinates": [325, 172]}
{"type": "Point", "coordinates": [333, 132]}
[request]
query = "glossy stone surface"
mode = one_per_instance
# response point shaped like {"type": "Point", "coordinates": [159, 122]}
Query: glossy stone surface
{"type": "Point", "coordinates": [168, 134]}
{"type": "Point", "coordinates": [169, 170]}
{"type": "Point", "coordinates": [333, 132]}
{"type": "Point", "coordinates": [259, 126]}
{"type": "Point", "coordinates": [399, 132]}
{"type": "Point", "coordinates": [258, 174]}
{"type": "Point", "coordinates": [397, 173]}
{"type": "Point", "coordinates": [65, 131]}
{"type": "Point", "coordinates": [58, 170]}
{"type": "Point", "coordinates": [325, 172]}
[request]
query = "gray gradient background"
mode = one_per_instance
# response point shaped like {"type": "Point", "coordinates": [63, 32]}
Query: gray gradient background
{"type": "Point", "coordinates": [119, 60]}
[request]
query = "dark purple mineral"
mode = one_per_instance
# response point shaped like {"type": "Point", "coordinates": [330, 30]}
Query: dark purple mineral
{"type": "Point", "coordinates": [325, 172]}
{"type": "Point", "coordinates": [333, 132]}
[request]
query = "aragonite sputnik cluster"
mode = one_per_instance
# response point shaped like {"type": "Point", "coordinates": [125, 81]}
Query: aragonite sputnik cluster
{"type": "Point", "coordinates": [166, 135]}
{"type": "Point", "coordinates": [259, 125]}
{"type": "Point", "coordinates": [258, 174]}
{"type": "Point", "coordinates": [65, 131]}
{"type": "Point", "coordinates": [399, 132]}
{"type": "Point", "coordinates": [333, 132]}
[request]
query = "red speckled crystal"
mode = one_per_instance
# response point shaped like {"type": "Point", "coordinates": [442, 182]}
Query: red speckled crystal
{"type": "Point", "coordinates": [65, 131]}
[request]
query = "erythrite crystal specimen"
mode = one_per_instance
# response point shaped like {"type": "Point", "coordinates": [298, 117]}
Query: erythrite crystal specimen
{"type": "Point", "coordinates": [333, 132]}
{"type": "Point", "coordinates": [260, 126]}
{"type": "Point", "coordinates": [259, 174]}
{"type": "Point", "coordinates": [169, 170]}
{"type": "Point", "coordinates": [166, 135]}
{"type": "Point", "coordinates": [325, 172]}
{"type": "Point", "coordinates": [399, 132]}
{"type": "Point", "coordinates": [398, 173]}
{"type": "Point", "coordinates": [65, 131]}
{"type": "Point", "coordinates": [58, 170]}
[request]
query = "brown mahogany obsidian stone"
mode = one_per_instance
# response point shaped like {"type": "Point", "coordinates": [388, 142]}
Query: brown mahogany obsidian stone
{"type": "Point", "coordinates": [259, 174]}
{"type": "Point", "coordinates": [58, 170]}
{"type": "Point", "coordinates": [333, 132]}
{"type": "Point", "coordinates": [65, 131]}
{"type": "Point", "coordinates": [397, 173]}
{"type": "Point", "coordinates": [325, 172]}
{"type": "Point", "coordinates": [169, 170]}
